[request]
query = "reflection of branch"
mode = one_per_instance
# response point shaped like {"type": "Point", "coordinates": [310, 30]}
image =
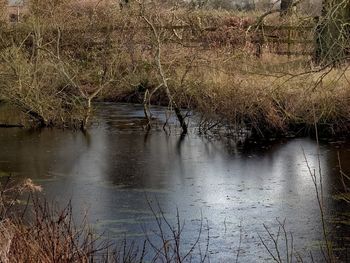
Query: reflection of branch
{"type": "Point", "coordinates": [343, 176]}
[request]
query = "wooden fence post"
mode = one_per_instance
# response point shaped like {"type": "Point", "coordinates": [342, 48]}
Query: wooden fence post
{"type": "Point", "coordinates": [289, 42]}
{"type": "Point", "coordinates": [259, 42]}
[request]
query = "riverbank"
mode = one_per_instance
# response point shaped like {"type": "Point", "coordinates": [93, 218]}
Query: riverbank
{"type": "Point", "coordinates": [198, 60]}
{"type": "Point", "coordinates": [265, 105]}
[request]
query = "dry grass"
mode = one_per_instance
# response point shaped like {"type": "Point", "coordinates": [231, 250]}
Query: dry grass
{"type": "Point", "coordinates": [37, 232]}
{"type": "Point", "coordinates": [276, 101]}
{"type": "Point", "coordinates": [34, 231]}
{"type": "Point", "coordinates": [209, 60]}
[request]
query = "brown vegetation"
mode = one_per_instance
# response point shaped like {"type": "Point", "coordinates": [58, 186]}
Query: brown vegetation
{"type": "Point", "coordinates": [48, 236]}
{"type": "Point", "coordinates": [219, 63]}
{"type": "Point", "coordinates": [34, 231]}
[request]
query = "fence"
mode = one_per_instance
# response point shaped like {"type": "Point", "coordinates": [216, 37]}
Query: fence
{"type": "Point", "coordinates": [287, 40]}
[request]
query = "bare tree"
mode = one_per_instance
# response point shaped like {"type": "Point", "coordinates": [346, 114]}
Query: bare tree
{"type": "Point", "coordinates": [333, 32]}
{"type": "Point", "coordinates": [43, 77]}
{"type": "Point", "coordinates": [159, 63]}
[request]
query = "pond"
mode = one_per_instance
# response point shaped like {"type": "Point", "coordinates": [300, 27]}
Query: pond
{"type": "Point", "coordinates": [117, 170]}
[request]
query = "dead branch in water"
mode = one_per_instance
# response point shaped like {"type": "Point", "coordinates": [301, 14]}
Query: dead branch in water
{"type": "Point", "coordinates": [158, 60]}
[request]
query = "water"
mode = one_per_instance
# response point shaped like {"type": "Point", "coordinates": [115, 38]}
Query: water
{"type": "Point", "coordinates": [117, 169]}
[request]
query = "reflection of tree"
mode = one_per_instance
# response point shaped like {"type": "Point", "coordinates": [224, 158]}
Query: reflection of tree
{"type": "Point", "coordinates": [143, 161]}
{"type": "Point", "coordinates": [333, 178]}
{"type": "Point", "coordinates": [34, 153]}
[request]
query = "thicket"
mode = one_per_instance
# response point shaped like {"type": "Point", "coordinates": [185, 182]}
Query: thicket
{"type": "Point", "coordinates": [62, 55]}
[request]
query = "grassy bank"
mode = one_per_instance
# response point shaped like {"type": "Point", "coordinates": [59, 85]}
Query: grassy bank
{"type": "Point", "coordinates": [62, 56]}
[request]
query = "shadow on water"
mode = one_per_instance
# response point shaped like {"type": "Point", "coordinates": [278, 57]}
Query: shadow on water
{"type": "Point", "coordinates": [109, 170]}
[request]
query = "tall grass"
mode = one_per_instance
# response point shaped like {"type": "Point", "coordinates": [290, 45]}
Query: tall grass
{"type": "Point", "coordinates": [208, 58]}
{"type": "Point", "coordinates": [36, 231]}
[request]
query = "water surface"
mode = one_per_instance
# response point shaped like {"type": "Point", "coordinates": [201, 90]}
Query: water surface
{"type": "Point", "coordinates": [117, 168]}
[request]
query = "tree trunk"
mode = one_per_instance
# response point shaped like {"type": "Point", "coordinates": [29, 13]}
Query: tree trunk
{"type": "Point", "coordinates": [333, 32]}
{"type": "Point", "coordinates": [285, 7]}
